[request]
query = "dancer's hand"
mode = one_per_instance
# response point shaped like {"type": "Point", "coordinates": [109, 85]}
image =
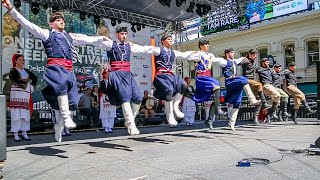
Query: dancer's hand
{"type": "Point", "coordinates": [105, 38]}
{"type": "Point", "coordinates": [7, 4]}
{"type": "Point", "coordinates": [74, 36]}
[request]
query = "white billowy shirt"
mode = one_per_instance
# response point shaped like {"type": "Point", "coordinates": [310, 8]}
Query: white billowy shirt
{"type": "Point", "coordinates": [232, 67]}
{"type": "Point", "coordinates": [135, 48]}
{"type": "Point", "coordinates": [40, 33]}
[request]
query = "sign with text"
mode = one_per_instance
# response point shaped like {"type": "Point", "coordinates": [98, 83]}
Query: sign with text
{"type": "Point", "coordinates": [221, 19]}
{"type": "Point", "coordinates": [266, 9]}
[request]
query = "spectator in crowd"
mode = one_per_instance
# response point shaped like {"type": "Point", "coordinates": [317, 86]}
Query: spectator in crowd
{"type": "Point", "coordinates": [23, 83]}
{"type": "Point", "coordinates": [85, 105]}
{"type": "Point", "coordinates": [95, 104]}
{"type": "Point", "coordinates": [147, 105]}
{"type": "Point", "coordinates": [107, 111]}
{"type": "Point", "coordinates": [188, 106]}
{"type": "Point", "coordinates": [95, 96]}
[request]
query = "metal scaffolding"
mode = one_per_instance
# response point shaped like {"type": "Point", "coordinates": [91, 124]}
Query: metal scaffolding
{"type": "Point", "coordinates": [94, 7]}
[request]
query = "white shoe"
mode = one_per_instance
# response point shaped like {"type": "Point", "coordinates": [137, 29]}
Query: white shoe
{"type": "Point", "coordinates": [252, 99]}
{"type": "Point", "coordinates": [132, 128]}
{"type": "Point", "coordinates": [233, 118]}
{"type": "Point", "coordinates": [65, 112]}
{"type": "Point", "coordinates": [231, 126]}
{"type": "Point", "coordinates": [176, 101]}
{"type": "Point", "coordinates": [129, 117]}
{"type": "Point", "coordinates": [168, 105]}
{"type": "Point", "coordinates": [58, 132]}
{"type": "Point", "coordinates": [70, 124]}
{"type": "Point", "coordinates": [106, 130]}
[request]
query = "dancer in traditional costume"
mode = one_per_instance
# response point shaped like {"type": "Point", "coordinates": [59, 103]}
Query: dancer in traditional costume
{"type": "Point", "coordinates": [298, 96]}
{"type": "Point", "coordinates": [122, 88]}
{"type": "Point", "coordinates": [61, 92]}
{"type": "Point", "coordinates": [248, 67]}
{"type": "Point", "coordinates": [277, 78]}
{"type": "Point", "coordinates": [207, 87]}
{"type": "Point", "coordinates": [265, 76]}
{"type": "Point", "coordinates": [234, 85]}
{"type": "Point", "coordinates": [23, 83]}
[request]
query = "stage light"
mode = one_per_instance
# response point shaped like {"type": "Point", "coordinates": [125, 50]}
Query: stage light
{"type": "Point", "coordinates": [206, 8]}
{"type": "Point", "coordinates": [35, 9]}
{"type": "Point", "coordinates": [132, 27]}
{"type": "Point", "coordinates": [191, 6]}
{"type": "Point", "coordinates": [199, 9]}
{"type": "Point", "coordinates": [96, 20]}
{"type": "Point", "coordinates": [17, 3]}
{"type": "Point", "coordinates": [143, 26]}
{"type": "Point", "coordinates": [138, 27]}
{"type": "Point", "coordinates": [45, 6]}
{"type": "Point", "coordinates": [82, 15]}
{"type": "Point", "coordinates": [113, 21]}
{"type": "Point", "coordinates": [119, 21]}
{"type": "Point", "coordinates": [180, 2]}
{"type": "Point", "coordinates": [55, 8]}
{"type": "Point", "coordinates": [165, 2]}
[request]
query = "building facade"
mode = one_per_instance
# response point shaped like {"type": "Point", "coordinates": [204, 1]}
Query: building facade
{"type": "Point", "coordinates": [293, 38]}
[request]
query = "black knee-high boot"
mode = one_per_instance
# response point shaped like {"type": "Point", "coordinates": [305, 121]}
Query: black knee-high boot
{"type": "Point", "coordinates": [218, 110]}
{"type": "Point", "coordinates": [285, 113]}
{"type": "Point", "coordinates": [272, 111]}
{"type": "Point", "coordinates": [265, 105]}
{"type": "Point", "coordinates": [307, 108]}
{"type": "Point", "coordinates": [209, 121]}
{"type": "Point", "coordinates": [294, 116]}
{"type": "Point", "coordinates": [256, 113]}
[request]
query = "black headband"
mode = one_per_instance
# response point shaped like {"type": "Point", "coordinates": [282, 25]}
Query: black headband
{"type": "Point", "coordinates": [166, 36]}
{"type": "Point", "coordinates": [121, 29]}
{"type": "Point", "coordinates": [56, 17]}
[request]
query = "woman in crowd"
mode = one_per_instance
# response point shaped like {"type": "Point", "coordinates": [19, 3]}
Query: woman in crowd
{"type": "Point", "coordinates": [107, 111]}
{"type": "Point", "coordinates": [23, 83]}
{"type": "Point", "coordinates": [188, 106]}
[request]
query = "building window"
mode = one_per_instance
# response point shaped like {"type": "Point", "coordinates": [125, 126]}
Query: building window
{"type": "Point", "coordinates": [243, 53]}
{"type": "Point", "coordinates": [262, 53]}
{"type": "Point", "coordinates": [313, 52]}
{"type": "Point", "coordinates": [289, 56]}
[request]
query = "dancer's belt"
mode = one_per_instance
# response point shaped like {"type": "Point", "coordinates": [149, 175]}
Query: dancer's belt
{"type": "Point", "coordinates": [120, 66]}
{"type": "Point", "coordinates": [66, 63]}
{"type": "Point", "coordinates": [204, 73]}
{"type": "Point", "coordinates": [164, 71]}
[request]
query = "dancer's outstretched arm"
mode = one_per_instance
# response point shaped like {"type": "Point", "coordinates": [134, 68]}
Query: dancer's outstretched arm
{"type": "Point", "coordinates": [100, 41]}
{"type": "Point", "coordinates": [188, 55]}
{"type": "Point", "coordinates": [37, 31]}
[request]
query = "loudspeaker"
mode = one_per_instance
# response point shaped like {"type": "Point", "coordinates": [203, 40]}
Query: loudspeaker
{"type": "Point", "coordinates": [317, 143]}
